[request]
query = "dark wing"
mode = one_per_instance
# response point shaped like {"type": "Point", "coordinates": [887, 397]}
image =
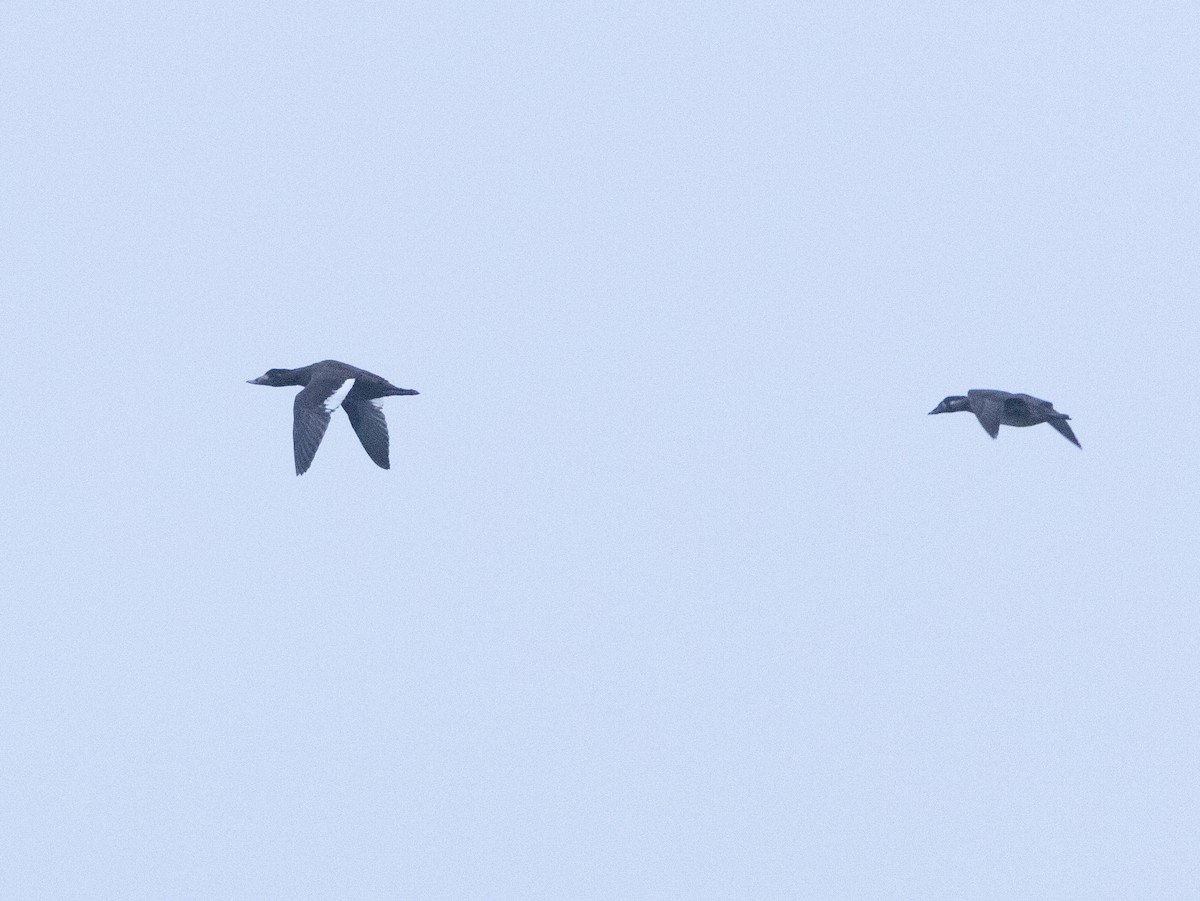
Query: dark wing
{"type": "Point", "coordinates": [310, 416]}
{"type": "Point", "coordinates": [367, 418]}
{"type": "Point", "coordinates": [1030, 399]}
{"type": "Point", "coordinates": [988, 407]}
{"type": "Point", "coordinates": [1064, 430]}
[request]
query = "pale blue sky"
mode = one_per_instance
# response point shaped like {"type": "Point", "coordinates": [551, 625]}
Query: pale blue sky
{"type": "Point", "coordinates": [673, 590]}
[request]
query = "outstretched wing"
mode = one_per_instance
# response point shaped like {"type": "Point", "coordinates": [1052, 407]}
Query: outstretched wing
{"type": "Point", "coordinates": [988, 407]}
{"type": "Point", "coordinates": [310, 416]}
{"type": "Point", "coordinates": [1065, 430]}
{"type": "Point", "coordinates": [367, 418]}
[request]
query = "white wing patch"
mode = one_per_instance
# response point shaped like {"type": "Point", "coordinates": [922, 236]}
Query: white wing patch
{"type": "Point", "coordinates": [334, 400]}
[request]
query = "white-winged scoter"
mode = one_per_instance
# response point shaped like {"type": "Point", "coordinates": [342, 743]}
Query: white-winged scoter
{"type": "Point", "coordinates": [328, 385]}
{"type": "Point", "coordinates": [995, 408]}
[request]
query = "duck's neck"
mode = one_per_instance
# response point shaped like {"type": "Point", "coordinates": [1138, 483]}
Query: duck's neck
{"type": "Point", "coordinates": [297, 376]}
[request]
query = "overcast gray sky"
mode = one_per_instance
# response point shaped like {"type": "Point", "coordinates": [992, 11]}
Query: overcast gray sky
{"type": "Point", "coordinates": [673, 589]}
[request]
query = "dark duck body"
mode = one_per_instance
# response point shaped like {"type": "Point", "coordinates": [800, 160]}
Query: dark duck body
{"type": "Point", "coordinates": [996, 408]}
{"type": "Point", "coordinates": [328, 385]}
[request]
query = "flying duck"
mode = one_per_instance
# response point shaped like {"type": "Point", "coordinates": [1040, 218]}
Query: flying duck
{"type": "Point", "coordinates": [328, 385]}
{"type": "Point", "coordinates": [996, 408]}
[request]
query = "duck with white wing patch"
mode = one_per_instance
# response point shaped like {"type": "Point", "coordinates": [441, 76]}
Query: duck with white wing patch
{"type": "Point", "coordinates": [328, 385]}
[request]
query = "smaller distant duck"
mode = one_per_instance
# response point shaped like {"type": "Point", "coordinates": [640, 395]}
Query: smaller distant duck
{"type": "Point", "coordinates": [328, 385]}
{"type": "Point", "coordinates": [996, 408]}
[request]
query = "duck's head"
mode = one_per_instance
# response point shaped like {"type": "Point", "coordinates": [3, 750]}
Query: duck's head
{"type": "Point", "coordinates": [955, 403]}
{"type": "Point", "coordinates": [276, 378]}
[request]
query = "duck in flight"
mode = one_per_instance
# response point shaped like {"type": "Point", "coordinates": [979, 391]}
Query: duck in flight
{"type": "Point", "coordinates": [328, 385]}
{"type": "Point", "coordinates": [996, 408]}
